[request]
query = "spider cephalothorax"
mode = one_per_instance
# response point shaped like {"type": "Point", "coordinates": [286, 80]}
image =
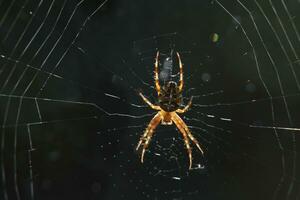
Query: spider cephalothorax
{"type": "Point", "coordinates": [169, 104]}
{"type": "Point", "coordinates": [170, 98]}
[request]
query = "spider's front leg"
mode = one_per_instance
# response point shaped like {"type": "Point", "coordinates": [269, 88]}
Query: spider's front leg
{"type": "Point", "coordinates": [145, 139]}
{"type": "Point", "coordinates": [156, 78]}
{"type": "Point", "coordinates": [180, 73]}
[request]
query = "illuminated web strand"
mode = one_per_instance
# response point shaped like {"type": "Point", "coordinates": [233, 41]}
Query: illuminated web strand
{"type": "Point", "coordinates": [202, 137]}
{"type": "Point", "coordinates": [80, 103]}
{"type": "Point", "coordinates": [276, 127]}
{"type": "Point", "coordinates": [272, 127]}
{"type": "Point", "coordinates": [250, 125]}
{"type": "Point", "coordinates": [174, 157]}
{"type": "Point", "coordinates": [206, 124]}
{"type": "Point", "coordinates": [260, 127]}
{"type": "Point", "coordinates": [203, 130]}
{"type": "Point", "coordinates": [279, 42]}
{"type": "Point", "coordinates": [112, 72]}
{"type": "Point", "coordinates": [11, 27]}
{"type": "Point", "coordinates": [54, 26]}
{"type": "Point", "coordinates": [15, 149]}
{"type": "Point", "coordinates": [114, 97]}
{"type": "Point", "coordinates": [16, 188]}
{"type": "Point", "coordinates": [47, 122]}
{"type": "Point", "coordinates": [22, 35]}
{"type": "Point", "coordinates": [19, 110]}
{"type": "Point", "coordinates": [135, 105]}
{"type": "Point", "coordinates": [20, 103]}
{"type": "Point", "coordinates": [253, 49]}
{"type": "Point", "coordinates": [123, 100]}
{"type": "Point", "coordinates": [255, 57]}
{"type": "Point", "coordinates": [31, 147]}
{"type": "Point", "coordinates": [226, 119]}
{"type": "Point", "coordinates": [208, 94]}
{"type": "Point", "coordinates": [38, 109]}
{"type": "Point", "coordinates": [234, 103]}
{"type": "Point", "coordinates": [206, 131]}
{"type": "Point", "coordinates": [58, 40]}
{"type": "Point", "coordinates": [141, 80]}
{"type": "Point", "coordinates": [5, 196]}
{"type": "Point", "coordinates": [53, 47]}
{"type": "Point", "coordinates": [27, 65]}
{"type": "Point", "coordinates": [72, 43]}
{"type": "Point", "coordinates": [6, 13]}
{"type": "Point", "coordinates": [270, 58]}
{"type": "Point", "coordinates": [280, 86]}
{"type": "Point", "coordinates": [31, 40]}
{"type": "Point", "coordinates": [291, 20]}
{"type": "Point", "coordinates": [284, 30]}
{"type": "Point", "coordinates": [24, 51]}
{"type": "Point", "coordinates": [241, 102]}
{"type": "Point", "coordinates": [74, 82]}
{"type": "Point", "coordinates": [267, 91]}
{"type": "Point", "coordinates": [291, 66]}
{"type": "Point", "coordinates": [30, 162]}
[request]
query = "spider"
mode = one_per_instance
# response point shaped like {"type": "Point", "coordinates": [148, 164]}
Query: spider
{"type": "Point", "coordinates": [169, 104]}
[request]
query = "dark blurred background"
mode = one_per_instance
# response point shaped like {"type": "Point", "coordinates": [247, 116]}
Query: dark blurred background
{"type": "Point", "coordinates": [59, 125]}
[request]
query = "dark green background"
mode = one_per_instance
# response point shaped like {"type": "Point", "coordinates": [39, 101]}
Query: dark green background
{"type": "Point", "coordinates": [76, 158]}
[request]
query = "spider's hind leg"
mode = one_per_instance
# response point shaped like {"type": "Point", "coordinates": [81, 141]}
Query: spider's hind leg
{"type": "Point", "coordinates": [185, 138]}
{"type": "Point", "coordinates": [190, 135]}
{"type": "Point", "coordinates": [186, 135]}
{"type": "Point", "coordinates": [145, 139]}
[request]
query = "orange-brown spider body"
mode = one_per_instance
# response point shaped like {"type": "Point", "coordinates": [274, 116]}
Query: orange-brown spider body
{"type": "Point", "coordinates": [169, 104]}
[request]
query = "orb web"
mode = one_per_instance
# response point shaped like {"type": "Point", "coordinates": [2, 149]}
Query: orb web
{"type": "Point", "coordinates": [72, 117]}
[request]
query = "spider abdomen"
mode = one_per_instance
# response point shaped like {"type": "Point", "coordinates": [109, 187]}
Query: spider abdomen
{"type": "Point", "coordinates": [165, 74]}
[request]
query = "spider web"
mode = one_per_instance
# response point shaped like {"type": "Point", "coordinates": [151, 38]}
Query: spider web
{"type": "Point", "coordinates": [71, 116]}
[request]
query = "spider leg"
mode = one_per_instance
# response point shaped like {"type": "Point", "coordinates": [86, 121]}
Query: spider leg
{"type": "Point", "coordinates": [185, 137]}
{"type": "Point", "coordinates": [186, 107]}
{"type": "Point", "coordinates": [148, 134]}
{"type": "Point", "coordinates": [156, 74]}
{"type": "Point", "coordinates": [154, 107]}
{"type": "Point", "coordinates": [185, 127]}
{"type": "Point", "coordinates": [181, 73]}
